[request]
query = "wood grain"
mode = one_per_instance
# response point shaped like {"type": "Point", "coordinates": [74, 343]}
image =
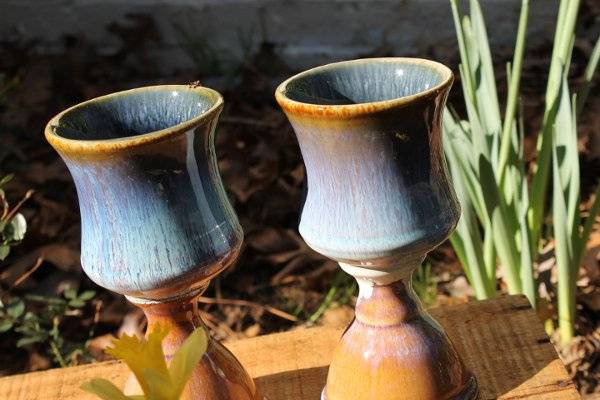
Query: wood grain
{"type": "Point", "coordinates": [501, 341]}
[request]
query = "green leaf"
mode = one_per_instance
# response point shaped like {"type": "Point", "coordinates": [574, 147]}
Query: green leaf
{"type": "Point", "coordinates": [503, 226]}
{"type": "Point", "coordinates": [564, 255]}
{"type": "Point", "coordinates": [159, 386]}
{"type": "Point", "coordinates": [464, 55]}
{"type": "Point", "coordinates": [87, 295]}
{"type": "Point", "coordinates": [526, 272]}
{"type": "Point", "coordinates": [466, 239]}
{"type": "Point", "coordinates": [477, 132]}
{"type": "Point", "coordinates": [583, 92]}
{"type": "Point", "coordinates": [566, 156]}
{"type": "Point", "coordinates": [559, 67]}
{"type": "Point", "coordinates": [5, 324]}
{"type": "Point", "coordinates": [4, 180]}
{"type": "Point", "coordinates": [104, 389]}
{"type": "Point", "coordinates": [16, 308]}
{"type": "Point", "coordinates": [186, 358]}
{"type": "Point", "coordinates": [76, 303]}
{"type": "Point", "coordinates": [46, 299]}
{"type": "Point", "coordinates": [18, 227]}
{"type": "Point", "coordinates": [513, 93]}
{"type": "Point", "coordinates": [4, 251]}
{"type": "Point", "coordinates": [486, 92]}
{"type": "Point", "coordinates": [70, 293]}
{"type": "Point", "coordinates": [29, 340]}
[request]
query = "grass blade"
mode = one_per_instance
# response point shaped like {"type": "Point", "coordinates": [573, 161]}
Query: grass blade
{"type": "Point", "coordinates": [588, 76]}
{"type": "Point", "coordinates": [513, 92]}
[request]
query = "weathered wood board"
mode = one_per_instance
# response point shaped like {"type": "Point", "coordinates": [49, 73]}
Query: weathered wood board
{"type": "Point", "coordinates": [501, 341]}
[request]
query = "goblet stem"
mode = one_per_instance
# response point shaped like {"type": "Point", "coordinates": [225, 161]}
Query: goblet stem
{"type": "Point", "coordinates": [394, 350]}
{"type": "Point", "coordinates": [218, 376]}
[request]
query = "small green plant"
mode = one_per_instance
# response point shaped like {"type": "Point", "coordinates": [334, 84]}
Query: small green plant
{"type": "Point", "coordinates": [146, 359]}
{"type": "Point", "coordinates": [342, 289]}
{"type": "Point", "coordinates": [41, 324]}
{"type": "Point", "coordinates": [502, 214]}
{"type": "Point", "coordinates": [12, 223]}
{"type": "Point", "coordinates": [424, 284]}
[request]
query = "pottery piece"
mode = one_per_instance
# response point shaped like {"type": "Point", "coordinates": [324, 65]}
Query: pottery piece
{"type": "Point", "coordinates": [156, 224]}
{"type": "Point", "coordinates": [378, 200]}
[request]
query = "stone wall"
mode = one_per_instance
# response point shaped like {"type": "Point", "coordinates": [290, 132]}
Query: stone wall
{"type": "Point", "coordinates": [303, 32]}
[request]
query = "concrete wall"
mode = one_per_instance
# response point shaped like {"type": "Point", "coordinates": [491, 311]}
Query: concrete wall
{"type": "Point", "coordinates": [304, 32]}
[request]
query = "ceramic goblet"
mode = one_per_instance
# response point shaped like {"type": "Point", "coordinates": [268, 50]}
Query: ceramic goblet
{"type": "Point", "coordinates": [378, 200]}
{"type": "Point", "coordinates": [156, 224]}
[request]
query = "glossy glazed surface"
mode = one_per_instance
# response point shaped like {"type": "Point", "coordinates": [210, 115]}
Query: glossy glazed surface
{"type": "Point", "coordinates": [155, 217]}
{"type": "Point", "coordinates": [378, 200]}
{"type": "Point", "coordinates": [362, 82]}
{"type": "Point", "coordinates": [377, 182]}
{"type": "Point", "coordinates": [394, 347]}
{"type": "Point", "coordinates": [156, 222]}
{"type": "Point", "coordinates": [136, 113]}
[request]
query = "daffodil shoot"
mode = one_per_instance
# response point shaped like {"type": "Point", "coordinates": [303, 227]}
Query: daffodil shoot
{"type": "Point", "coordinates": [146, 359]}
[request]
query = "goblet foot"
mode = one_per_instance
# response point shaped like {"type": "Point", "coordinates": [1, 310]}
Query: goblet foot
{"type": "Point", "coordinates": [219, 375]}
{"type": "Point", "coordinates": [394, 350]}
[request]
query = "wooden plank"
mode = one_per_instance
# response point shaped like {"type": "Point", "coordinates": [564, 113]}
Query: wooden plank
{"type": "Point", "coordinates": [501, 341]}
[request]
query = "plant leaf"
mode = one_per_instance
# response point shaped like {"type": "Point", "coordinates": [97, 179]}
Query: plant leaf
{"type": "Point", "coordinates": [503, 225]}
{"type": "Point", "coordinates": [25, 341]}
{"type": "Point", "coordinates": [141, 354]}
{"type": "Point", "coordinates": [564, 255]}
{"type": "Point", "coordinates": [186, 359]}
{"type": "Point", "coordinates": [160, 387]}
{"type": "Point", "coordinates": [16, 308]}
{"type": "Point", "coordinates": [5, 324]}
{"type": "Point", "coordinates": [18, 227]}
{"type": "Point", "coordinates": [87, 295]}
{"type": "Point", "coordinates": [486, 92]}
{"type": "Point", "coordinates": [70, 293]}
{"type": "Point", "coordinates": [5, 179]}
{"type": "Point", "coordinates": [583, 92]}
{"type": "Point", "coordinates": [4, 251]}
{"type": "Point", "coordinates": [76, 303]}
{"type": "Point", "coordinates": [106, 390]}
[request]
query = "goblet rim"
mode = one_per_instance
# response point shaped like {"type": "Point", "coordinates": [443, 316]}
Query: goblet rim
{"type": "Point", "coordinates": [296, 107]}
{"type": "Point", "coordinates": [98, 146]}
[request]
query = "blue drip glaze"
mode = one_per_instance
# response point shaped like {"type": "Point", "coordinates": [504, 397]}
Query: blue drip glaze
{"type": "Point", "coordinates": [378, 187]}
{"type": "Point", "coordinates": [153, 215]}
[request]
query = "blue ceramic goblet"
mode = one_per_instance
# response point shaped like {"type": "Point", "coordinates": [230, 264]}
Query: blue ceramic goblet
{"type": "Point", "coordinates": [156, 224]}
{"type": "Point", "coordinates": [378, 200]}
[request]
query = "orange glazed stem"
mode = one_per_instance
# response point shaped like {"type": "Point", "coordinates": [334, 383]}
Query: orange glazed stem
{"type": "Point", "coordinates": [394, 350]}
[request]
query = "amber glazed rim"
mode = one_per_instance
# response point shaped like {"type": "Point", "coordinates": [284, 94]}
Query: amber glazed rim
{"type": "Point", "coordinates": [300, 108]}
{"type": "Point", "coordinates": [95, 146]}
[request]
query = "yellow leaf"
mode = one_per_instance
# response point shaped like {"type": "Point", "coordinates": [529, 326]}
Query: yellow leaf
{"type": "Point", "coordinates": [159, 387]}
{"type": "Point", "coordinates": [147, 361]}
{"type": "Point", "coordinates": [105, 390]}
{"type": "Point", "coordinates": [186, 359]}
{"type": "Point", "coordinates": [142, 354]}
